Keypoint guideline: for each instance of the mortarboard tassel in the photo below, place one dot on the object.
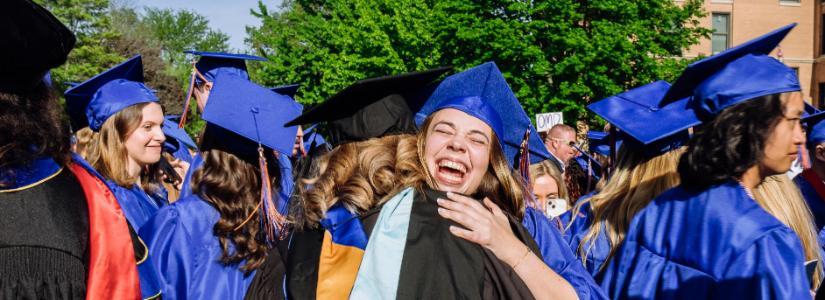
(188, 96)
(272, 222)
(524, 169)
(804, 159)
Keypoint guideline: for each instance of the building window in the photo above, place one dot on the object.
(822, 37)
(821, 95)
(721, 32)
(790, 2)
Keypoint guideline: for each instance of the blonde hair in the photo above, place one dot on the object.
(545, 168)
(109, 156)
(85, 141)
(635, 182)
(780, 197)
(363, 175)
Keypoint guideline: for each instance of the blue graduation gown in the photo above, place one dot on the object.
(815, 202)
(137, 205)
(558, 256)
(287, 184)
(712, 244)
(187, 253)
(599, 248)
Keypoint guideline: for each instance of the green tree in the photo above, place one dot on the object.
(179, 30)
(557, 55)
(175, 31)
(90, 21)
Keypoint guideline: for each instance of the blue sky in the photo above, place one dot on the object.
(229, 16)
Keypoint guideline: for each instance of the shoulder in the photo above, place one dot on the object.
(191, 214)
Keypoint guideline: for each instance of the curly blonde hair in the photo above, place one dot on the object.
(364, 175)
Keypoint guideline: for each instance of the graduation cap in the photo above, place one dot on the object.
(816, 128)
(373, 107)
(483, 93)
(737, 74)
(209, 66)
(598, 142)
(176, 134)
(247, 120)
(313, 138)
(589, 163)
(634, 112)
(95, 100)
(34, 41)
(287, 90)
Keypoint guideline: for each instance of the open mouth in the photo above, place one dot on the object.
(450, 172)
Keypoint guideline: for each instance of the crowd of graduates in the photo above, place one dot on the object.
(423, 185)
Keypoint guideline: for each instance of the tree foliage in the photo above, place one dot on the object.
(557, 55)
(108, 33)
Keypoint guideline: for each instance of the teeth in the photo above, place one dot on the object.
(451, 177)
(452, 165)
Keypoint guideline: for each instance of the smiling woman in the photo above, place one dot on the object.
(127, 119)
(128, 142)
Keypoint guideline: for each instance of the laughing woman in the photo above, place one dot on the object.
(127, 118)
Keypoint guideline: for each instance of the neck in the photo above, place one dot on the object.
(133, 168)
(751, 178)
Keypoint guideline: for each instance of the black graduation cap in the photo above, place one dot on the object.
(32, 41)
(374, 107)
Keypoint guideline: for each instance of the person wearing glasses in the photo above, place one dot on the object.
(560, 140)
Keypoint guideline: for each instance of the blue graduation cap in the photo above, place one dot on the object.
(210, 65)
(816, 128)
(598, 142)
(313, 138)
(737, 74)
(241, 114)
(171, 130)
(483, 93)
(287, 90)
(643, 123)
(95, 100)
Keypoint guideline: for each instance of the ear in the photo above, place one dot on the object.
(208, 85)
(819, 152)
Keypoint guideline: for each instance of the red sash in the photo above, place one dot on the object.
(810, 176)
(112, 267)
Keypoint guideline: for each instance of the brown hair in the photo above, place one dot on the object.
(362, 175)
(780, 197)
(109, 156)
(86, 141)
(32, 127)
(635, 182)
(233, 186)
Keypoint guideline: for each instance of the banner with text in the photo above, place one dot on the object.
(546, 121)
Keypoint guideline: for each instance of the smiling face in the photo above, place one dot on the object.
(783, 143)
(144, 144)
(457, 150)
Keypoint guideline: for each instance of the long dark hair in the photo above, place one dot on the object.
(233, 186)
(731, 143)
(32, 126)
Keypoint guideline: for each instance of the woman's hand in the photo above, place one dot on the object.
(485, 225)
